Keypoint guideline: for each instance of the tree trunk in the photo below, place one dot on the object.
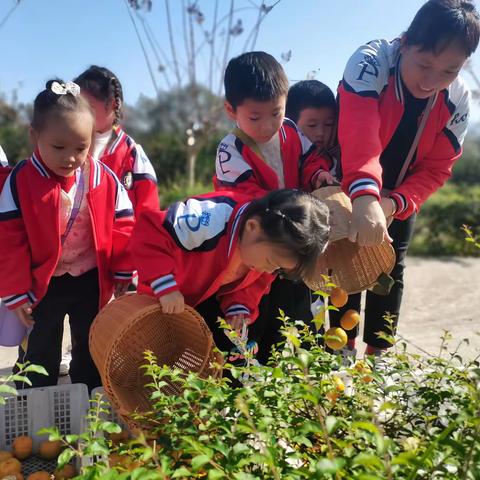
(191, 160)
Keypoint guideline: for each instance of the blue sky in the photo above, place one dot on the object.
(48, 38)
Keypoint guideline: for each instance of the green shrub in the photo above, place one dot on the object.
(413, 418)
(438, 228)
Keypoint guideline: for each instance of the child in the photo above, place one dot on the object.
(220, 246)
(312, 106)
(67, 221)
(265, 152)
(403, 117)
(112, 145)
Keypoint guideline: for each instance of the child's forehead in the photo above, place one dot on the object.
(253, 104)
(313, 111)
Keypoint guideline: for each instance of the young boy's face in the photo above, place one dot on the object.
(318, 125)
(425, 73)
(259, 120)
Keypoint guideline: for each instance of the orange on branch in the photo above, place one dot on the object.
(336, 338)
(350, 319)
(338, 297)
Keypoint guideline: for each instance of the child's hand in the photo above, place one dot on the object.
(24, 314)
(369, 226)
(237, 322)
(120, 289)
(173, 302)
(388, 206)
(321, 177)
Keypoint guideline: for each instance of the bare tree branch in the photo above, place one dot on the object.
(172, 45)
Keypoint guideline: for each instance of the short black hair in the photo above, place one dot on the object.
(254, 75)
(48, 102)
(104, 85)
(296, 221)
(439, 22)
(308, 94)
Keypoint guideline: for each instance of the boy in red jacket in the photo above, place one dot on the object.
(403, 117)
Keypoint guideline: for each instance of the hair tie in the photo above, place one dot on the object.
(64, 88)
(276, 212)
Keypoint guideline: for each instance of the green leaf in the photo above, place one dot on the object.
(8, 389)
(35, 369)
(325, 465)
(65, 456)
(332, 424)
(110, 427)
(214, 474)
(369, 427)
(199, 461)
(182, 472)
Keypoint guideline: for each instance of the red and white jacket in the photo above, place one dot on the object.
(371, 106)
(188, 248)
(131, 165)
(238, 167)
(30, 227)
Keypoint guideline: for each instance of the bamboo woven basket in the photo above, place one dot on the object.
(134, 323)
(350, 266)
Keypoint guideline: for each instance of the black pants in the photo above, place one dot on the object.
(293, 298)
(79, 298)
(376, 306)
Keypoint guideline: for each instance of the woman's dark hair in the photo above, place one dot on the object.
(308, 94)
(296, 221)
(439, 22)
(254, 75)
(48, 102)
(103, 85)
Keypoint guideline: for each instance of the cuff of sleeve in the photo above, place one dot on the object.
(163, 285)
(236, 309)
(363, 186)
(124, 276)
(14, 301)
(400, 202)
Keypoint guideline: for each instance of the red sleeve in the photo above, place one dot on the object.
(145, 195)
(358, 134)
(313, 164)
(15, 258)
(426, 177)
(121, 262)
(153, 252)
(246, 300)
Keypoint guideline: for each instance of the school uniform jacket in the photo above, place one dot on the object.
(237, 166)
(188, 247)
(131, 165)
(371, 100)
(31, 237)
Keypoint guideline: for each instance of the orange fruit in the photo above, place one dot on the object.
(68, 471)
(336, 338)
(350, 320)
(338, 297)
(22, 447)
(10, 466)
(40, 475)
(338, 383)
(4, 455)
(332, 396)
(49, 450)
(367, 378)
(362, 367)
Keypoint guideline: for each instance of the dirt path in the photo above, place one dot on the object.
(439, 295)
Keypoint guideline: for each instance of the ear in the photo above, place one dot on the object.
(33, 136)
(253, 229)
(230, 110)
(403, 43)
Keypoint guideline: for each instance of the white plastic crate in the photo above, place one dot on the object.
(61, 406)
